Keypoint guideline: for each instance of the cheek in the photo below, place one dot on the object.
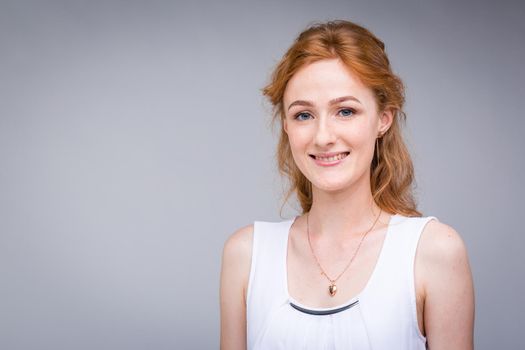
(366, 150)
(362, 147)
(357, 138)
(297, 140)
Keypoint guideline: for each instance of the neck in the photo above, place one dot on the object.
(340, 215)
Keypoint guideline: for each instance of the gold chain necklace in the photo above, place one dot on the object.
(332, 288)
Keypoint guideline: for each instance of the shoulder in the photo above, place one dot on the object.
(236, 258)
(448, 289)
(239, 244)
(441, 243)
(441, 256)
(236, 261)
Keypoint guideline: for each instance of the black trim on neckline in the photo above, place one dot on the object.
(323, 312)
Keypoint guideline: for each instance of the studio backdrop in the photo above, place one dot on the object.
(134, 139)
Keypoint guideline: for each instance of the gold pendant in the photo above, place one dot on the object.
(332, 289)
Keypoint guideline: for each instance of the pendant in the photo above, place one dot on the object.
(332, 289)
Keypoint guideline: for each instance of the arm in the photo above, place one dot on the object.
(448, 289)
(235, 271)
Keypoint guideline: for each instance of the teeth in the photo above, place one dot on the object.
(331, 159)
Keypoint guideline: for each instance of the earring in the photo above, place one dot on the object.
(377, 149)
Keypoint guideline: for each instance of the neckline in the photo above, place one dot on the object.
(354, 298)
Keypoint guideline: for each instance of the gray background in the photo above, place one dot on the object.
(134, 140)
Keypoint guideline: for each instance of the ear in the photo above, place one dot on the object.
(386, 118)
(285, 125)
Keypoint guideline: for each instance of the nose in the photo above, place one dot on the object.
(325, 133)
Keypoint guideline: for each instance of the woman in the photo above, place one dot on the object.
(360, 268)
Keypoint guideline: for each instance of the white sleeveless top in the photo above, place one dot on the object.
(382, 316)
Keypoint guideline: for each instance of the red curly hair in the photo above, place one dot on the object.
(392, 173)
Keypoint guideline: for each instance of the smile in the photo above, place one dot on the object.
(331, 160)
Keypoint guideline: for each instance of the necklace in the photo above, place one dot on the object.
(332, 288)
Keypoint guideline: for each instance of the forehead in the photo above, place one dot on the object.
(325, 80)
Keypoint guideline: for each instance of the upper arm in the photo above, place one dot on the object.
(448, 288)
(235, 271)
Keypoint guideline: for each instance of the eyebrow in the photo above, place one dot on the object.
(331, 102)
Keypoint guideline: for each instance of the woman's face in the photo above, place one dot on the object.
(332, 123)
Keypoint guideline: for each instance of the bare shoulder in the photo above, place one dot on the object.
(238, 245)
(440, 251)
(237, 255)
(236, 263)
(441, 243)
(448, 290)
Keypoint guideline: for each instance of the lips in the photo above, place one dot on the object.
(330, 157)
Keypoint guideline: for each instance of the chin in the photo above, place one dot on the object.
(332, 186)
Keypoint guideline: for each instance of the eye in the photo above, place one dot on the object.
(299, 116)
(346, 112)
